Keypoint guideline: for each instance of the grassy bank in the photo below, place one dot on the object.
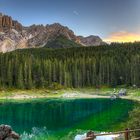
(67, 93)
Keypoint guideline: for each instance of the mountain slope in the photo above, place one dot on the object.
(91, 40)
(61, 42)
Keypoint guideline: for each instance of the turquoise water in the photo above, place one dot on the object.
(58, 119)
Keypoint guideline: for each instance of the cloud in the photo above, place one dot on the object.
(76, 13)
(122, 36)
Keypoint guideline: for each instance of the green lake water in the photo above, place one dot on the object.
(62, 119)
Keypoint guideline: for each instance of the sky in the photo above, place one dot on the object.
(112, 20)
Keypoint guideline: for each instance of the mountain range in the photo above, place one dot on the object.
(13, 35)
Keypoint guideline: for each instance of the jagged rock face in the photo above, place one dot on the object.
(10, 40)
(14, 36)
(16, 25)
(6, 24)
(91, 40)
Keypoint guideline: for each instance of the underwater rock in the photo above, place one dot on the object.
(6, 133)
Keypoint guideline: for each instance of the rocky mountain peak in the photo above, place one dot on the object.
(41, 35)
(14, 36)
(7, 23)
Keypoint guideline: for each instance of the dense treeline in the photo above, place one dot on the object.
(110, 65)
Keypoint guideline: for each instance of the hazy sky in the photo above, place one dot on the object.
(110, 19)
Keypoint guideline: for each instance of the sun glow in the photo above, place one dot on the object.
(122, 36)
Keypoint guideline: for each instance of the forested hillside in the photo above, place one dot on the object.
(109, 65)
(62, 42)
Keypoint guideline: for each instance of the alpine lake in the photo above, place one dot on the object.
(62, 119)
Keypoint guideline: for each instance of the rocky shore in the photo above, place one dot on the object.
(6, 133)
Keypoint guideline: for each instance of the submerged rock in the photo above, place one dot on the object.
(6, 133)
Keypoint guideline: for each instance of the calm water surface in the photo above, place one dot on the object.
(58, 119)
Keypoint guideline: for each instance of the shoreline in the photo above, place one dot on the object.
(19, 95)
(30, 98)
